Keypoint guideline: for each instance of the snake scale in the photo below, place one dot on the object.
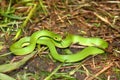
(52, 40)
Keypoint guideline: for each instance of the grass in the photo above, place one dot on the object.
(21, 29)
(95, 18)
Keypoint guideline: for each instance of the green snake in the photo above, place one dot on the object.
(53, 40)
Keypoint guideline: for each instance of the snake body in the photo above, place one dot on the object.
(51, 40)
(17, 48)
(80, 55)
(72, 39)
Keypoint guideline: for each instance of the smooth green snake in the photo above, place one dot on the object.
(53, 40)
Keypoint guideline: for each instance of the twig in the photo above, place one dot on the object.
(100, 72)
(78, 66)
(107, 22)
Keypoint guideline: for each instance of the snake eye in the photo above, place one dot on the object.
(56, 38)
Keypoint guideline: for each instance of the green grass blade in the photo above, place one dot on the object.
(48, 77)
(25, 22)
(12, 16)
(5, 77)
(15, 65)
(42, 6)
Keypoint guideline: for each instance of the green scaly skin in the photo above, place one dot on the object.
(51, 40)
(80, 55)
(17, 48)
(72, 39)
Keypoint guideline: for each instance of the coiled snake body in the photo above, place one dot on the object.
(53, 40)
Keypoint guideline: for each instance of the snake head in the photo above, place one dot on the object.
(57, 37)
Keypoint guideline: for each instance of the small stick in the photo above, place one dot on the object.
(107, 22)
(100, 72)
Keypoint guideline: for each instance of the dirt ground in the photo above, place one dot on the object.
(88, 18)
